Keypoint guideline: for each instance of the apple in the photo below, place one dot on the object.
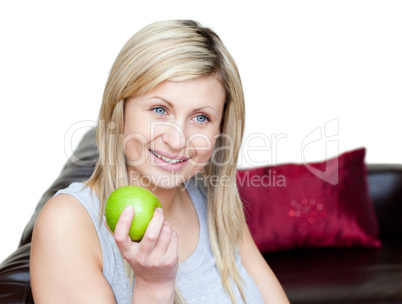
(144, 203)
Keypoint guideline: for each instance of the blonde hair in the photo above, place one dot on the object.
(176, 51)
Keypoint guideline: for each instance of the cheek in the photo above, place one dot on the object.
(136, 128)
(203, 144)
(134, 150)
(134, 140)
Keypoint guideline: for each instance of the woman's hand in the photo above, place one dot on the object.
(154, 259)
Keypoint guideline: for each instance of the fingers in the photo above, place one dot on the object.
(159, 245)
(165, 237)
(153, 231)
(121, 232)
(172, 248)
(162, 252)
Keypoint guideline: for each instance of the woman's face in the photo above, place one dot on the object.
(170, 132)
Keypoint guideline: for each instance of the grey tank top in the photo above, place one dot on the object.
(197, 279)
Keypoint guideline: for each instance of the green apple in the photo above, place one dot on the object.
(144, 203)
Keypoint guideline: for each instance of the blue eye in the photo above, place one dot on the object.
(202, 118)
(159, 110)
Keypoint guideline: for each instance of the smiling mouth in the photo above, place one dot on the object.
(167, 159)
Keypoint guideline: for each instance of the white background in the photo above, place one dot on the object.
(304, 64)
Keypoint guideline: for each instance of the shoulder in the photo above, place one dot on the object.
(64, 224)
(63, 221)
(66, 256)
(63, 212)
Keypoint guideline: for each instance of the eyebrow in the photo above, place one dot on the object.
(172, 106)
(168, 102)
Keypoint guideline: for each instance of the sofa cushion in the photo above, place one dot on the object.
(340, 275)
(323, 204)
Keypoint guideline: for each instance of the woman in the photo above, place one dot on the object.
(171, 121)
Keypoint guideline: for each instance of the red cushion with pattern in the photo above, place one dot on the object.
(319, 204)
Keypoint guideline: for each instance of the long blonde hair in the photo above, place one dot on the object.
(176, 51)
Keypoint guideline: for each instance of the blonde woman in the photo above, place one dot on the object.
(171, 121)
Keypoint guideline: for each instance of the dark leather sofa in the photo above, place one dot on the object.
(319, 275)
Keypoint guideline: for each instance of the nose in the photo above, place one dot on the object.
(173, 135)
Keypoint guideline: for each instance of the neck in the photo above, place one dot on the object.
(169, 198)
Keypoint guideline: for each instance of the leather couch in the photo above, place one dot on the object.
(319, 275)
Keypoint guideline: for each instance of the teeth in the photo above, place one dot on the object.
(166, 159)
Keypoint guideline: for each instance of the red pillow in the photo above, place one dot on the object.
(323, 204)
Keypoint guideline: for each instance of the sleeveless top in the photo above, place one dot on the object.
(198, 279)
